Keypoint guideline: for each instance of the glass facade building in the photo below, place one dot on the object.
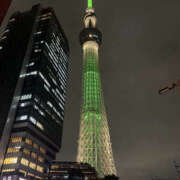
(34, 55)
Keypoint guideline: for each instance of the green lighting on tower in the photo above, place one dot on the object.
(89, 3)
(94, 145)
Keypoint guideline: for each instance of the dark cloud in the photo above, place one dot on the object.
(140, 53)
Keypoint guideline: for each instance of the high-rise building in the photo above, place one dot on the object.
(71, 170)
(94, 139)
(4, 5)
(34, 56)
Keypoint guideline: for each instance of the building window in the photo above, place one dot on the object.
(12, 20)
(24, 161)
(54, 167)
(32, 120)
(8, 170)
(30, 174)
(21, 178)
(43, 150)
(28, 141)
(30, 64)
(35, 146)
(16, 139)
(41, 159)
(39, 168)
(26, 96)
(32, 165)
(25, 104)
(37, 50)
(21, 118)
(40, 125)
(12, 150)
(27, 152)
(22, 171)
(34, 155)
(10, 160)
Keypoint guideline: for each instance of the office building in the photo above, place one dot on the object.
(34, 55)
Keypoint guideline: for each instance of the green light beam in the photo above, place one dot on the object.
(89, 3)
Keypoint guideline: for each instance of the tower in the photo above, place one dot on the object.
(94, 145)
(34, 57)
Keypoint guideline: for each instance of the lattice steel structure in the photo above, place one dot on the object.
(94, 139)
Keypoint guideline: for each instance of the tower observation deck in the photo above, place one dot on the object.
(94, 145)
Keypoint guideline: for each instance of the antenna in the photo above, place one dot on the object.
(90, 3)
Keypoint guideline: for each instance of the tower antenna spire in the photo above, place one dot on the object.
(90, 4)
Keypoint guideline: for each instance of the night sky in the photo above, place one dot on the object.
(140, 54)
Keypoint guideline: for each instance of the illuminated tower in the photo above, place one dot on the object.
(94, 140)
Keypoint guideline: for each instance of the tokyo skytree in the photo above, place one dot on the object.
(94, 145)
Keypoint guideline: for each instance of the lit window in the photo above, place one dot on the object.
(30, 174)
(22, 171)
(28, 141)
(30, 64)
(41, 159)
(54, 167)
(25, 104)
(38, 109)
(39, 32)
(34, 155)
(40, 125)
(12, 150)
(8, 170)
(37, 50)
(49, 103)
(21, 178)
(21, 118)
(11, 160)
(26, 96)
(26, 151)
(39, 168)
(1, 47)
(12, 20)
(32, 120)
(32, 165)
(38, 177)
(24, 161)
(45, 80)
(43, 150)
(29, 74)
(16, 139)
(47, 89)
(6, 31)
(4, 37)
(35, 146)
(42, 19)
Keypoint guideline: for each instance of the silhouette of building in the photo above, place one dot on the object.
(71, 170)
